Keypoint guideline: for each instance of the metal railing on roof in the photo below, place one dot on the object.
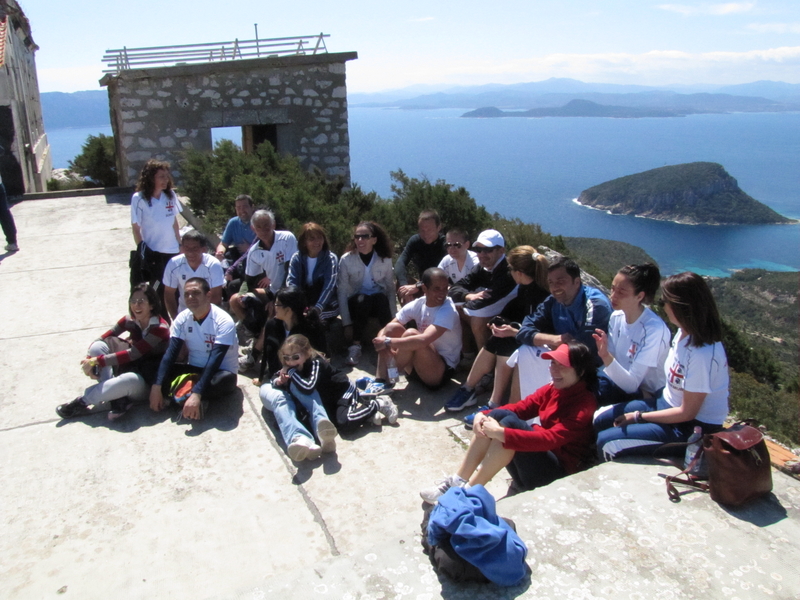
(162, 56)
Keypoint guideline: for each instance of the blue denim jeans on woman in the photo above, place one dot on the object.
(282, 404)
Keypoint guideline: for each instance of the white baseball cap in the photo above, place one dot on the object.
(490, 238)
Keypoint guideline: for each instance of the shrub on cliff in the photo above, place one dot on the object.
(278, 182)
(97, 160)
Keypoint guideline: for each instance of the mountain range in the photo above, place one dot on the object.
(90, 108)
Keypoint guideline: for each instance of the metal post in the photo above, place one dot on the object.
(258, 51)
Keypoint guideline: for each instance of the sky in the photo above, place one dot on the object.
(464, 42)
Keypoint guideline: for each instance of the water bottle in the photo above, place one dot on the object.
(391, 370)
(695, 443)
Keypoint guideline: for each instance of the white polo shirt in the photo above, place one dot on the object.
(156, 221)
(178, 272)
(274, 262)
(216, 328)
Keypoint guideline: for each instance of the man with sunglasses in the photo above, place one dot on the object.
(486, 290)
(424, 250)
(208, 334)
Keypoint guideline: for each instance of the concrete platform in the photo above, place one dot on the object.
(146, 508)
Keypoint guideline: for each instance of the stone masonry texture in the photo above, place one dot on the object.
(162, 112)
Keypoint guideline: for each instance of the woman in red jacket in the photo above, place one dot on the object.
(558, 444)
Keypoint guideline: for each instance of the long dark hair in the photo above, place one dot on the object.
(147, 178)
(693, 305)
(150, 294)
(644, 278)
(582, 360)
(383, 247)
(294, 299)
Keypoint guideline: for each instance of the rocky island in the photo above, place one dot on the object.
(699, 193)
(577, 108)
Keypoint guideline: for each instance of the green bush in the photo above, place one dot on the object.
(97, 161)
(777, 410)
(278, 182)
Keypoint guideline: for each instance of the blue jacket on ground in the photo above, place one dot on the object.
(478, 535)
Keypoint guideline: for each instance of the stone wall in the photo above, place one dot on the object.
(161, 112)
(25, 160)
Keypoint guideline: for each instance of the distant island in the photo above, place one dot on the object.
(699, 193)
(577, 108)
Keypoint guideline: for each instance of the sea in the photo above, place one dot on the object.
(535, 168)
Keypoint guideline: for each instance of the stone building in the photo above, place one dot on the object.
(25, 160)
(298, 103)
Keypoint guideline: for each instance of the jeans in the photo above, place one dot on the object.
(529, 470)
(609, 392)
(110, 387)
(6, 218)
(281, 404)
(637, 438)
(311, 402)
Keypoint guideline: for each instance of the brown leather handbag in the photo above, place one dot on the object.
(738, 467)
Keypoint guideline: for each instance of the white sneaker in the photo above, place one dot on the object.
(12, 248)
(300, 448)
(326, 433)
(377, 418)
(388, 409)
(353, 354)
(431, 495)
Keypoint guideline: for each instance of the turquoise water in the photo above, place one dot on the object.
(534, 168)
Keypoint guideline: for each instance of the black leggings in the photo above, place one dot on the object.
(362, 307)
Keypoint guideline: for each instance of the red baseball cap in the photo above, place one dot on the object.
(560, 355)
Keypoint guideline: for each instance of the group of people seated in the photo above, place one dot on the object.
(572, 376)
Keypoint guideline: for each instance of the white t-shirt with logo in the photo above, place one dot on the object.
(275, 261)
(447, 345)
(216, 328)
(157, 220)
(178, 272)
(449, 265)
(639, 350)
(703, 370)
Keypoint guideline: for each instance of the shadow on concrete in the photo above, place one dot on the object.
(137, 417)
(223, 415)
(6, 254)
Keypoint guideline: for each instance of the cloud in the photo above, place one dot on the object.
(728, 8)
(774, 27)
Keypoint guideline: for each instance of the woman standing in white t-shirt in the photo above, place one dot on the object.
(634, 351)
(696, 369)
(154, 221)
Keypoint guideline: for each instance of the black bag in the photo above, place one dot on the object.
(738, 467)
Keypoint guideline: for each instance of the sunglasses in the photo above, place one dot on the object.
(453, 245)
(480, 250)
(291, 357)
(362, 236)
(139, 301)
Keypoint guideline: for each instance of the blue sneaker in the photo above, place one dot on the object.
(363, 383)
(469, 419)
(461, 400)
(377, 388)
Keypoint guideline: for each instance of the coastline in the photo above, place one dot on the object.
(679, 222)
